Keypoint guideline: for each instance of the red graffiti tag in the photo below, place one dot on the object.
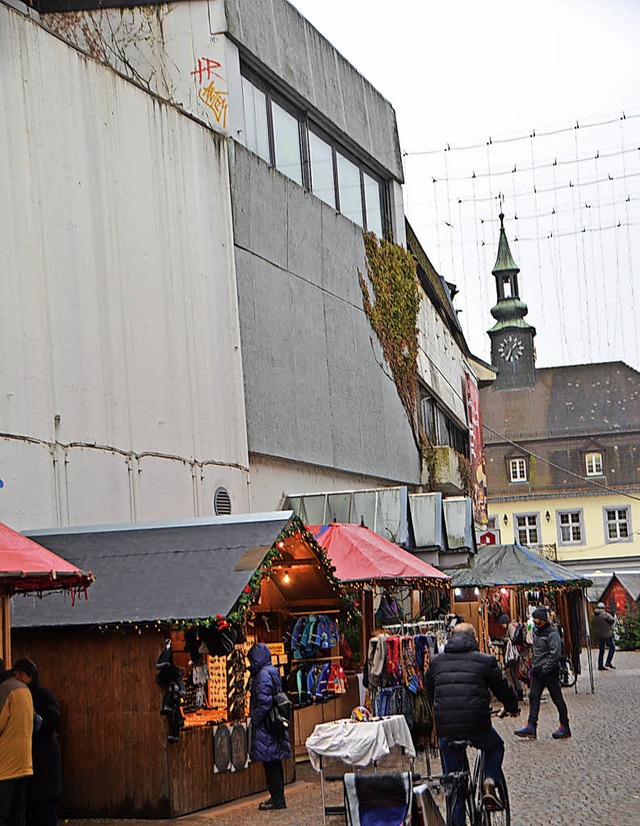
(205, 69)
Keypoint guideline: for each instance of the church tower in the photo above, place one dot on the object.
(512, 350)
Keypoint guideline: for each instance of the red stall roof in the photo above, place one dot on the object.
(27, 566)
(360, 554)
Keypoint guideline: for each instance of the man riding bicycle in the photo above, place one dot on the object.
(458, 685)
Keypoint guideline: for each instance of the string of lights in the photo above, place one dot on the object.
(542, 133)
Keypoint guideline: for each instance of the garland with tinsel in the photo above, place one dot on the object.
(294, 530)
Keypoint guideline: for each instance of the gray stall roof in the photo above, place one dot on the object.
(155, 571)
(512, 565)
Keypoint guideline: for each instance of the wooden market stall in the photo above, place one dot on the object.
(199, 593)
(28, 568)
(514, 579)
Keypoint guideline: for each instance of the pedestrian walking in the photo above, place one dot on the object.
(545, 669)
(265, 746)
(16, 727)
(44, 789)
(602, 625)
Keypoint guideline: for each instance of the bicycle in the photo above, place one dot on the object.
(568, 675)
(467, 785)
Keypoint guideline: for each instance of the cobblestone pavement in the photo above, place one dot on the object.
(593, 779)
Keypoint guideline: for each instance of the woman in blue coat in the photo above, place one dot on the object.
(265, 747)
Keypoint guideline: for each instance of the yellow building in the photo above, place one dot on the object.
(562, 445)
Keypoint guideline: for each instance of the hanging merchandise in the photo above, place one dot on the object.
(316, 675)
(389, 610)
(169, 676)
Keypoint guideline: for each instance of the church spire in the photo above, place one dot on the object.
(504, 260)
(512, 350)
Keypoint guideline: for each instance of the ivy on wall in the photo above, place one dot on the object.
(393, 314)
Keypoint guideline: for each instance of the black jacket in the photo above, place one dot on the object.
(46, 783)
(458, 683)
(547, 649)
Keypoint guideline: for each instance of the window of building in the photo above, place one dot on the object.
(518, 470)
(349, 190)
(528, 531)
(440, 428)
(594, 464)
(280, 134)
(373, 204)
(286, 143)
(570, 527)
(322, 173)
(256, 136)
(492, 523)
(617, 524)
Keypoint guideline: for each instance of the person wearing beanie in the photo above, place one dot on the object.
(602, 625)
(545, 668)
(44, 789)
(16, 726)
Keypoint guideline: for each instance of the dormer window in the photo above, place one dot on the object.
(518, 470)
(593, 463)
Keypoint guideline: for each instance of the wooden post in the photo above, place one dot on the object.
(5, 628)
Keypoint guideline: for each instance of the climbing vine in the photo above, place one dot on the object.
(393, 314)
(468, 476)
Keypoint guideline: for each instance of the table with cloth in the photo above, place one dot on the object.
(359, 744)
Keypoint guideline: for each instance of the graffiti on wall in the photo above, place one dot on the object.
(210, 85)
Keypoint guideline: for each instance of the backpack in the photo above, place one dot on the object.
(277, 720)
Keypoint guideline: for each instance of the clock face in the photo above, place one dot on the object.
(510, 348)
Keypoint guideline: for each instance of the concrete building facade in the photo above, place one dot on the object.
(185, 330)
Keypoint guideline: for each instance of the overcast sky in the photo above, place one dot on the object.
(461, 71)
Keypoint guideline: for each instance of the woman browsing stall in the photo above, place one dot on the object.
(266, 747)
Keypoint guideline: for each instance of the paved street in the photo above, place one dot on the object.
(591, 780)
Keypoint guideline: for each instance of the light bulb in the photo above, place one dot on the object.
(286, 579)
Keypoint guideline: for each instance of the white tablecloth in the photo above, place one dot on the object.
(359, 744)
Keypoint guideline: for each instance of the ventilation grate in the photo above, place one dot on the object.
(222, 502)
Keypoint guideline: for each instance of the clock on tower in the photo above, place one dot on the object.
(510, 348)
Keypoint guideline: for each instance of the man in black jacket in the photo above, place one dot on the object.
(545, 673)
(45, 787)
(458, 684)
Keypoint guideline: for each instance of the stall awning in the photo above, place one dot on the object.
(157, 571)
(515, 564)
(26, 566)
(359, 554)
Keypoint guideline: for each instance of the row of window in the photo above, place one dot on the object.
(285, 137)
(570, 526)
(519, 468)
(439, 427)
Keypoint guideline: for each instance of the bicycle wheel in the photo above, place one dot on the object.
(501, 816)
(474, 799)
(568, 676)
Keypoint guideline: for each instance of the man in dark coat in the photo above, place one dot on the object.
(458, 683)
(545, 673)
(44, 789)
(602, 624)
(265, 747)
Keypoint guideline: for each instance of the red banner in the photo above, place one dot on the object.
(476, 444)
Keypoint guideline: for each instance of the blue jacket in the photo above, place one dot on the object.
(266, 684)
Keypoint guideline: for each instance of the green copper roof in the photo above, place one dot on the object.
(504, 261)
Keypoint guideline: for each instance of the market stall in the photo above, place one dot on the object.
(28, 568)
(512, 580)
(152, 671)
(404, 601)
